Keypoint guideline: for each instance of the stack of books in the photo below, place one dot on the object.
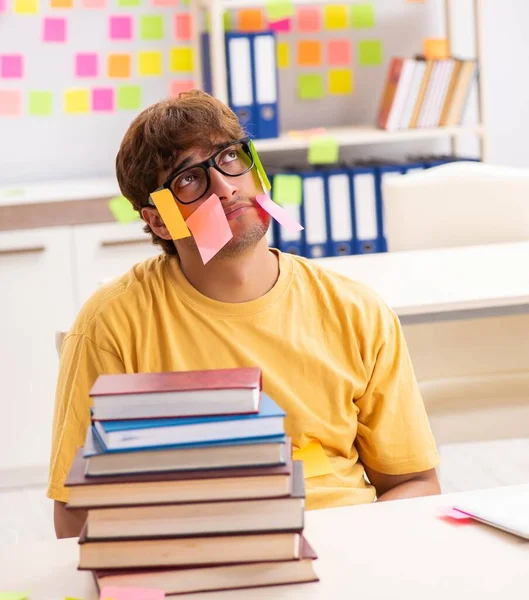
(189, 485)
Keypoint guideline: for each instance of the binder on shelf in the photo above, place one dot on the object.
(339, 195)
(315, 209)
(292, 242)
(367, 219)
(265, 79)
(241, 84)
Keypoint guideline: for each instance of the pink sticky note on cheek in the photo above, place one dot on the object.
(210, 228)
(279, 213)
(130, 593)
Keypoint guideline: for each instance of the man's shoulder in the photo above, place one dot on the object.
(117, 295)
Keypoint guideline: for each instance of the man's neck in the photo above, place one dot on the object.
(238, 279)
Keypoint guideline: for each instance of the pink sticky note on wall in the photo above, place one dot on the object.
(120, 28)
(103, 99)
(86, 65)
(282, 26)
(130, 593)
(11, 66)
(10, 103)
(182, 26)
(309, 19)
(339, 52)
(94, 3)
(54, 30)
(181, 85)
(3, 5)
(279, 213)
(210, 228)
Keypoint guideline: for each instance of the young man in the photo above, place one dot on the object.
(332, 354)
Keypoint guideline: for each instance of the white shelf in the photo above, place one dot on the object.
(233, 4)
(360, 136)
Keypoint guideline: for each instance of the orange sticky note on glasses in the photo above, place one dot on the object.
(210, 227)
(315, 461)
(170, 213)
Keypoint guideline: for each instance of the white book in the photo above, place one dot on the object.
(397, 108)
(413, 94)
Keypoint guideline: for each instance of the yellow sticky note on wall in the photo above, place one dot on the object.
(76, 101)
(150, 63)
(315, 461)
(283, 55)
(26, 7)
(170, 213)
(182, 59)
(335, 16)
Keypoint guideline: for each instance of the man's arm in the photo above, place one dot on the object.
(397, 487)
(68, 522)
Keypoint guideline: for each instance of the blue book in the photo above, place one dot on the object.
(150, 433)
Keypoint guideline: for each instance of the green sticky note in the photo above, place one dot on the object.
(129, 97)
(40, 104)
(260, 170)
(129, 2)
(370, 53)
(151, 27)
(14, 596)
(277, 10)
(310, 87)
(123, 211)
(363, 16)
(287, 189)
(323, 150)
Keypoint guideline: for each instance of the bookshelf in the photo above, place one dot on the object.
(345, 136)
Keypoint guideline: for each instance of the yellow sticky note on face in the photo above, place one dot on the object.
(315, 461)
(150, 63)
(170, 213)
(76, 101)
(283, 55)
(335, 16)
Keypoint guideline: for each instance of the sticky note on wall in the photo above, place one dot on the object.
(76, 101)
(102, 99)
(181, 85)
(150, 63)
(54, 30)
(26, 7)
(362, 16)
(308, 19)
(119, 65)
(278, 10)
(10, 103)
(40, 103)
(120, 28)
(436, 48)
(86, 64)
(335, 16)
(283, 55)
(182, 60)
(310, 86)
(128, 97)
(338, 52)
(182, 26)
(340, 81)
(11, 66)
(151, 27)
(309, 53)
(251, 19)
(370, 53)
(3, 6)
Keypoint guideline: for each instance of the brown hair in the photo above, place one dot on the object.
(159, 133)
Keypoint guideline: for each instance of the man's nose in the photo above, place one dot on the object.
(225, 187)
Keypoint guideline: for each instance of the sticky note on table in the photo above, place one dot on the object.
(102, 99)
(130, 593)
(11, 66)
(251, 19)
(363, 16)
(40, 103)
(151, 27)
(308, 19)
(335, 16)
(120, 28)
(436, 48)
(128, 97)
(182, 26)
(150, 63)
(338, 52)
(119, 65)
(278, 10)
(323, 150)
(170, 213)
(26, 7)
(260, 169)
(310, 86)
(309, 53)
(122, 210)
(182, 59)
(54, 30)
(76, 101)
(370, 53)
(283, 55)
(287, 189)
(10, 103)
(210, 228)
(86, 64)
(340, 81)
(315, 461)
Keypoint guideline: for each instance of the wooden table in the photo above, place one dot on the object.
(445, 283)
(394, 550)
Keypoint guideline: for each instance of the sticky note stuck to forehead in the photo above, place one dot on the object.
(210, 228)
(315, 461)
(287, 189)
(260, 170)
(170, 213)
(323, 149)
(131, 593)
(281, 215)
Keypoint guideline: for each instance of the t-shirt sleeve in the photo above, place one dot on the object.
(394, 435)
(82, 361)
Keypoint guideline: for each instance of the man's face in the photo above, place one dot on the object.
(247, 220)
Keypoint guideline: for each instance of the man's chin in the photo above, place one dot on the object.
(243, 242)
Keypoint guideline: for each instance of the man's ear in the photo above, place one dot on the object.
(152, 217)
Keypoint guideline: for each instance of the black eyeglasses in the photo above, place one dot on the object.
(190, 184)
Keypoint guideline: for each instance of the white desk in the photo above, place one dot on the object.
(394, 550)
(446, 283)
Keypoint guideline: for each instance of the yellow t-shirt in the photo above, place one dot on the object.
(331, 352)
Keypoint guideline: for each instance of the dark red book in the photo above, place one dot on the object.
(176, 394)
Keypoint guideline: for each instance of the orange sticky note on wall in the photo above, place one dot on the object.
(171, 215)
(309, 53)
(251, 19)
(436, 48)
(315, 461)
